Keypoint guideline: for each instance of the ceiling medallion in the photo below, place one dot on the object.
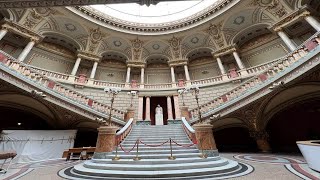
(117, 43)
(194, 40)
(156, 46)
(70, 27)
(239, 20)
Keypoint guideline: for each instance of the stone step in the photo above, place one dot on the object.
(172, 174)
(152, 141)
(155, 156)
(167, 145)
(164, 151)
(145, 148)
(156, 161)
(155, 167)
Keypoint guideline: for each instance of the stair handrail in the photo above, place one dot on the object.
(280, 60)
(83, 100)
(124, 131)
(189, 130)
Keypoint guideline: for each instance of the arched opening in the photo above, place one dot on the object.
(86, 138)
(234, 139)
(297, 122)
(17, 119)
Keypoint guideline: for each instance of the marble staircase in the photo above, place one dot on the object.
(154, 150)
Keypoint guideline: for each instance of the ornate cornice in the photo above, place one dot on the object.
(155, 28)
(21, 30)
(290, 19)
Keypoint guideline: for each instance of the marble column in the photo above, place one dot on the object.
(148, 109)
(238, 60)
(313, 22)
(222, 70)
(205, 139)
(26, 50)
(176, 107)
(3, 32)
(173, 78)
(140, 109)
(94, 69)
(105, 141)
(76, 66)
(186, 71)
(169, 106)
(142, 76)
(287, 40)
(128, 75)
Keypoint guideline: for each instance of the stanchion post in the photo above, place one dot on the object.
(137, 158)
(171, 157)
(116, 157)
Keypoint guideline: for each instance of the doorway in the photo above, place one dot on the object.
(162, 101)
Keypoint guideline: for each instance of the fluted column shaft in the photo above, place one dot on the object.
(222, 70)
(169, 106)
(186, 71)
(287, 40)
(313, 22)
(3, 32)
(128, 75)
(173, 78)
(76, 67)
(148, 109)
(238, 60)
(26, 50)
(142, 76)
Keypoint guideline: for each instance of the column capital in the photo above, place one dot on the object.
(224, 51)
(178, 62)
(89, 56)
(137, 64)
(16, 28)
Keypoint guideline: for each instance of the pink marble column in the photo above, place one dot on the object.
(176, 107)
(148, 109)
(169, 105)
(140, 109)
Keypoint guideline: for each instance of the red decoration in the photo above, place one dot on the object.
(82, 78)
(233, 73)
(263, 77)
(180, 83)
(134, 84)
(51, 84)
(90, 102)
(311, 45)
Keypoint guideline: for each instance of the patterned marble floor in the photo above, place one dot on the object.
(266, 166)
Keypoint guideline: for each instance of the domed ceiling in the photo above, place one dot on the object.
(162, 18)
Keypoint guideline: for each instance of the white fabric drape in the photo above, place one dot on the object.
(37, 145)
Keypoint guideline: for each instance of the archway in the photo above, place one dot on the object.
(234, 139)
(297, 122)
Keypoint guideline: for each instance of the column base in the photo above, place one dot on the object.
(101, 155)
(172, 121)
(204, 136)
(244, 72)
(211, 153)
(106, 139)
(263, 145)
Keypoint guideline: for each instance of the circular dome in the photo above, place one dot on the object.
(162, 18)
(162, 12)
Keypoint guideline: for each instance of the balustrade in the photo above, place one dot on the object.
(273, 68)
(158, 86)
(37, 76)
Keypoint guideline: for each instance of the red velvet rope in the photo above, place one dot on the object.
(189, 145)
(153, 145)
(130, 149)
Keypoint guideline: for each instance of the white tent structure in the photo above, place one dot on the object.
(37, 145)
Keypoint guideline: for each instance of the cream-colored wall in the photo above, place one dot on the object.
(203, 68)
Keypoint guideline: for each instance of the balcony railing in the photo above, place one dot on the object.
(250, 86)
(40, 79)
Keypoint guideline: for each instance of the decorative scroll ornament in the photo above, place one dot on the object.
(175, 44)
(272, 6)
(136, 49)
(215, 32)
(95, 38)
